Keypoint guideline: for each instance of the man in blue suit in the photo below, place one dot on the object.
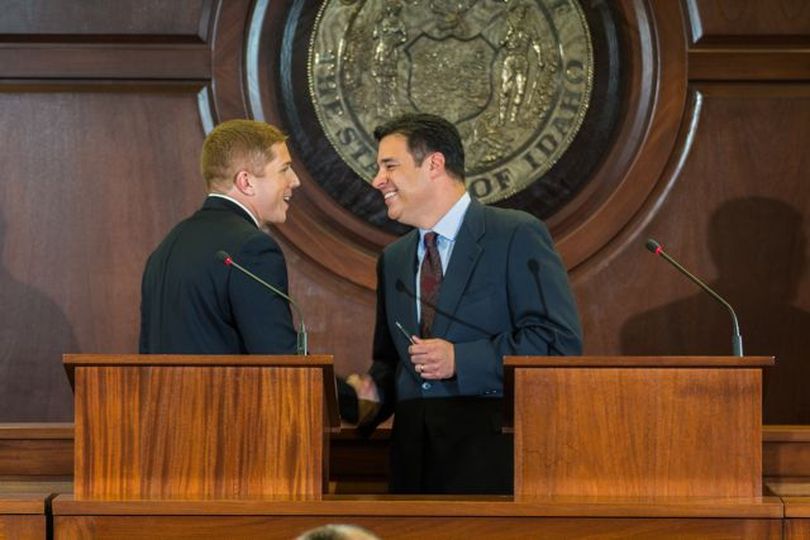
(191, 303)
(470, 284)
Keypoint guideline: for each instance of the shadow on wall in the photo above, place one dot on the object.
(34, 333)
(758, 245)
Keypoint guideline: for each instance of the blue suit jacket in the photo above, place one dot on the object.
(191, 303)
(505, 292)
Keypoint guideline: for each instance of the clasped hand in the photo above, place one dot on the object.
(368, 397)
(433, 359)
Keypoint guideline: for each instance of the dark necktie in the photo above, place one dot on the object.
(430, 279)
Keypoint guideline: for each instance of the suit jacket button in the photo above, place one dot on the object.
(425, 386)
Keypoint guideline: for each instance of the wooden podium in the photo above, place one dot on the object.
(201, 427)
(617, 447)
(636, 427)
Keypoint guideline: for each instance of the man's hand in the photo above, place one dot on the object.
(433, 358)
(368, 397)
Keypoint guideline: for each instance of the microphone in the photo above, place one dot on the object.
(301, 345)
(736, 338)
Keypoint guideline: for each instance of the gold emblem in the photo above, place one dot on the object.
(515, 76)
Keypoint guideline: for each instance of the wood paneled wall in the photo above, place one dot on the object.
(104, 106)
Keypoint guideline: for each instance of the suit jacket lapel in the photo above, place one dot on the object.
(462, 263)
(402, 269)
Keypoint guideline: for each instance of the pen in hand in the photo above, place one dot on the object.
(404, 332)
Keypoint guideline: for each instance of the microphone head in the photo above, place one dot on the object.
(224, 257)
(654, 246)
(534, 266)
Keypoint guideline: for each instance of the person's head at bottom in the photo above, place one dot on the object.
(338, 532)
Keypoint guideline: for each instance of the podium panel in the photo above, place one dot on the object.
(637, 427)
(199, 428)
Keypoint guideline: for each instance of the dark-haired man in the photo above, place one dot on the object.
(190, 302)
(470, 284)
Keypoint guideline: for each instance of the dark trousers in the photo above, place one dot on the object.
(451, 445)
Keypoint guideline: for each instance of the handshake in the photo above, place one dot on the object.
(358, 399)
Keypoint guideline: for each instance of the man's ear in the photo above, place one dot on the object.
(436, 163)
(243, 182)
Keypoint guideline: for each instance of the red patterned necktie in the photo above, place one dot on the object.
(430, 279)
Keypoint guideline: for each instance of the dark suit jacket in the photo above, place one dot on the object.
(505, 292)
(191, 303)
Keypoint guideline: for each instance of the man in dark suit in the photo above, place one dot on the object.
(479, 283)
(191, 302)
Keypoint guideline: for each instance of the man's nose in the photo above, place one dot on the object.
(378, 181)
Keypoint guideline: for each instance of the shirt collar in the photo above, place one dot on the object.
(237, 203)
(448, 226)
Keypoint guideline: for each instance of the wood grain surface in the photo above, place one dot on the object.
(430, 517)
(638, 432)
(198, 432)
(440, 505)
(780, 21)
(393, 528)
(786, 452)
(22, 515)
(797, 529)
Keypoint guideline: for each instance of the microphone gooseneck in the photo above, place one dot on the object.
(736, 338)
(302, 347)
